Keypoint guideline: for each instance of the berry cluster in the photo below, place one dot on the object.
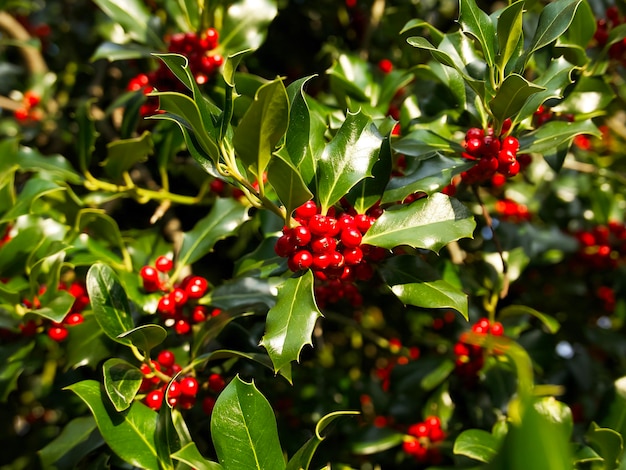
(603, 246)
(331, 247)
(470, 357)
(204, 62)
(402, 356)
(178, 306)
(422, 440)
(29, 111)
(512, 211)
(181, 392)
(493, 155)
(604, 26)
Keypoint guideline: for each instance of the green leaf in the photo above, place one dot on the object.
(477, 24)
(243, 293)
(551, 323)
(245, 24)
(511, 96)
(112, 52)
(87, 345)
(583, 26)
(416, 283)
(302, 458)
(14, 356)
(146, 337)
(608, 443)
(509, 32)
(129, 434)
(121, 382)
(591, 95)
(554, 20)
(347, 158)
(553, 134)
(614, 412)
(109, 302)
(421, 24)
(78, 438)
(421, 142)
(438, 375)
(288, 184)
(290, 322)
(166, 439)
(476, 444)
(190, 455)
(34, 189)
(134, 17)
(123, 154)
(55, 167)
(429, 223)
(376, 440)
(211, 328)
(222, 221)
(243, 429)
(262, 127)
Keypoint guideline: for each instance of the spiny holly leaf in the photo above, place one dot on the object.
(414, 282)
(124, 153)
(121, 382)
(290, 322)
(262, 127)
(553, 134)
(511, 96)
(302, 458)
(477, 23)
(130, 434)
(109, 302)
(429, 223)
(608, 443)
(243, 429)
(225, 217)
(347, 158)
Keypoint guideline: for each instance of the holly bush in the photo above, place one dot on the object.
(252, 234)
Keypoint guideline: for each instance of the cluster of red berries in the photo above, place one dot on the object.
(512, 211)
(545, 114)
(29, 111)
(470, 358)
(494, 155)
(181, 392)
(178, 306)
(603, 246)
(204, 62)
(422, 440)
(402, 356)
(604, 26)
(331, 247)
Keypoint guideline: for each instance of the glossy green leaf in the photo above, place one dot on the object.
(245, 24)
(54, 166)
(477, 24)
(211, 328)
(262, 127)
(302, 458)
(190, 455)
(184, 111)
(77, 439)
(123, 154)
(32, 190)
(476, 444)
(145, 337)
(121, 382)
(134, 16)
(554, 20)
(376, 440)
(608, 443)
(347, 158)
(511, 96)
(290, 322)
(87, 345)
(429, 223)
(166, 438)
(509, 32)
(613, 415)
(554, 134)
(288, 184)
(583, 26)
(590, 96)
(261, 263)
(351, 77)
(243, 293)
(438, 375)
(109, 302)
(422, 142)
(243, 429)
(222, 221)
(112, 52)
(57, 308)
(421, 24)
(416, 283)
(130, 434)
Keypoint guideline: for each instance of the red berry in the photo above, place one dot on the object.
(196, 287)
(73, 319)
(474, 145)
(351, 237)
(306, 210)
(21, 114)
(364, 222)
(285, 245)
(163, 264)
(216, 383)
(323, 244)
(301, 235)
(189, 386)
(182, 326)
(474, 132)
(58, 333)
(385, 66)
(150, 278)
(167, 306)
(166, 358)
(208, 403)
(179, 296)
(512, 169)
(511, 143)
(318, 225)
(418, 430)
(154, 399)
(199, 314)
(300, 260)
(174, 390)
(353, 255)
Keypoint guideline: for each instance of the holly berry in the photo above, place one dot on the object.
(163, 264)
(154, 399)
(166, 358)
(189, 386)
(58, 333)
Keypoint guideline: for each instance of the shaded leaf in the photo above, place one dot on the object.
(512, 95)
(121, 382)
(476, 444)
(123, 154)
